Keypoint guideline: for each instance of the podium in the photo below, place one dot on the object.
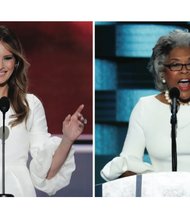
(157, 184)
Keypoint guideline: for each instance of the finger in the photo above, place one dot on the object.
(68, 118)
(81, 125)
(80, 117)
(79, 109)
(83, 120)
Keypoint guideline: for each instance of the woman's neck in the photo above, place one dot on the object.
(162, 98)
(3, 90)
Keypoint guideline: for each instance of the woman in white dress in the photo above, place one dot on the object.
(149, 124)
(52, 160)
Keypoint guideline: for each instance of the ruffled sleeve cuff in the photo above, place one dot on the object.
(116, 167)
(40, 165)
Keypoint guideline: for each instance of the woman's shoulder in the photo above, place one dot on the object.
(33, 100)
(148, 99)
(36, 109)
(146, 103)
(145, 106)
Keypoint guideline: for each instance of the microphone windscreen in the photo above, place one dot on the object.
(174, 93)
(4, 104)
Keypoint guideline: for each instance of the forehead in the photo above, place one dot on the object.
(3, 49)
(179, 53)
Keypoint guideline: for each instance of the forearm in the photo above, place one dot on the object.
(127, 173)
(73, 126)
(59, 157)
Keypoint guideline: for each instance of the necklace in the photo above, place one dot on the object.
(167, 97)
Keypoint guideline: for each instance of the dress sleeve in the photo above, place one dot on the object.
(131, 157)
(42, 149)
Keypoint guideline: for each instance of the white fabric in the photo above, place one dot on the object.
(32, 137)
(150, 128)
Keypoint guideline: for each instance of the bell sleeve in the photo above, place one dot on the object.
(131, 157)
(42, 149)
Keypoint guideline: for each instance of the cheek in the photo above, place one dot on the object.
(170, 78)
(11, 67)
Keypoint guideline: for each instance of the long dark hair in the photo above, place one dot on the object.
(18, 82)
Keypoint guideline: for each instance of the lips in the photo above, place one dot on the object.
(2, 73)
(184, 84)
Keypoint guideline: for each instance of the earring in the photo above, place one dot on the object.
(163, 81)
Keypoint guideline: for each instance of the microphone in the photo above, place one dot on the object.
(4, 107)
(4, 104)
(174, 94)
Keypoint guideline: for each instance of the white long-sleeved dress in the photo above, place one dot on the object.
(32, 137)
(150, 128)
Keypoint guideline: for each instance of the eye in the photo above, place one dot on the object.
(8, 57)
(175, 64)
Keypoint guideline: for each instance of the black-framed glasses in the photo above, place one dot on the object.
(177, 66)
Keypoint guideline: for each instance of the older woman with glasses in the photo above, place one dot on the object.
(149, 125)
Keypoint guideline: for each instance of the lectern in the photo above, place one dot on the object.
(157, 184)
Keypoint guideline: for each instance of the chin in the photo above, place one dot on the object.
(3, 82)
(184, 98)
(184, 93)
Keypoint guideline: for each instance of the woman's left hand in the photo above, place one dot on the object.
(73, 125)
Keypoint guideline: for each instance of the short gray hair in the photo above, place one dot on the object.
(176, 38)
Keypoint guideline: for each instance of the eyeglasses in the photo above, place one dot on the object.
(177, 66)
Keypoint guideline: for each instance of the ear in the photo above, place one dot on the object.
(16, 65)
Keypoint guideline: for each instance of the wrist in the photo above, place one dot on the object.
(67, 140)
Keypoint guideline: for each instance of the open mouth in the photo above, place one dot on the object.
(184, 84)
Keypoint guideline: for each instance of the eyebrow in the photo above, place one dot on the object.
(177, 59)
(8, 55)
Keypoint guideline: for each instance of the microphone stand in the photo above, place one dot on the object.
(3, 154)
(173, 122)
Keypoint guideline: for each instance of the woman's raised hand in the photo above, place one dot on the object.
(73, 125)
